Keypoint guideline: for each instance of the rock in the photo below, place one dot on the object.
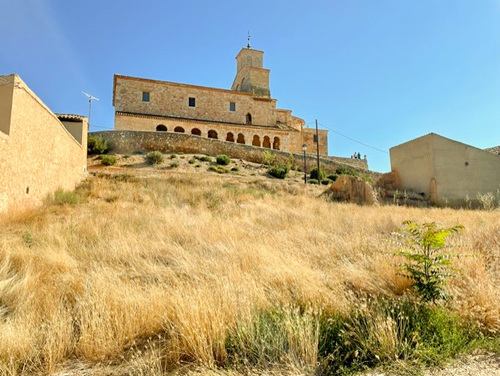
(352, 189)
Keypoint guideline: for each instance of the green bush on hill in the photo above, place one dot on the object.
(96, 145)
(108, 160)
(279, 170)
(154, 157)
(223, 159)
(315, 175)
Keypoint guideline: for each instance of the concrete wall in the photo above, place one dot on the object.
(413, 163)
(445, 170)
(462, 170)
(129, 141)
(39, 155)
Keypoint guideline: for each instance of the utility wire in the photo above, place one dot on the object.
(354, 140)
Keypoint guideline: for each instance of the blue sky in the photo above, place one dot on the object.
(381, 72)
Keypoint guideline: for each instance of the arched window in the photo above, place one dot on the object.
(161, 128)
(256, 141)
(249, 119)
(241, 138)
(267, 142)
(179, 129)
(212, 134)
(196, 132)
(276, 143)
(230, 137)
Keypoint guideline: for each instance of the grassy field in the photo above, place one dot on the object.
(216, 274)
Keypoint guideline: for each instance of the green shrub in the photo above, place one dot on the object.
(313, 181)
(198, 165)
(154, 157)
(235, 169)
(126, 156)
(314, 174)
(217, 168)
(96, 145)
(346, 170)
(279, 170)
(385, 330)
(62, 197)
(192, 161)
(174, 164)
(426, 264)
(108, 160)
(332, 177)
(173, 156)
(325, 181)
(203, 158)
(269, 157)
(223, 160)
(137, 152)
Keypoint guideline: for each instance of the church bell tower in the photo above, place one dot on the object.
(251, 77)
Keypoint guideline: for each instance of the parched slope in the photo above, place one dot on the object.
(155, 273)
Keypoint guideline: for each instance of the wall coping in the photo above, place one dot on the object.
(283, 154)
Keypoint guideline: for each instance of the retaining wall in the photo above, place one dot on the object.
(128, 141)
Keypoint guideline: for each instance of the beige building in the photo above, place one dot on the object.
(39, 151)
(246, 114)
(444, 170)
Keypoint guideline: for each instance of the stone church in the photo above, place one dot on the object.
(246, 114)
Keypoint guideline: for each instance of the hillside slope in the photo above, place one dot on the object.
(169, 271)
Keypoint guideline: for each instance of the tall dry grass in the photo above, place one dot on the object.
(148, 274)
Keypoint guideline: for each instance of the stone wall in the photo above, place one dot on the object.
(38, 155)
(172, 99)
(129, 141)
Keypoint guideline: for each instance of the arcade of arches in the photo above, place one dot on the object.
(230, 137)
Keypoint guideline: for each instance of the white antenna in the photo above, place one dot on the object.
(91, 98)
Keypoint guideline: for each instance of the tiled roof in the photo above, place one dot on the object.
(70, 117)
(494, 150)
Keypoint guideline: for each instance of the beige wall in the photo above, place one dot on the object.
(6, 83)
(39, 155)
(308, 139)
(288, 141)
(458, 169)
(170, 99)
(413, 162)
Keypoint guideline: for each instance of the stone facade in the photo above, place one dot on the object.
(130, 141)
(246, 114)
(38, 153)
(444, 170)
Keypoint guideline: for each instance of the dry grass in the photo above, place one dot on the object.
(148, 274)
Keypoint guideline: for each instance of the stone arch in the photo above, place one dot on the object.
(196, 132)
(230, 137)
(241, 138)
(276, 143)
(249, 118)
(256, 140)
(179, 129)
(161, 128)
(267, 142)
(212, 134)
